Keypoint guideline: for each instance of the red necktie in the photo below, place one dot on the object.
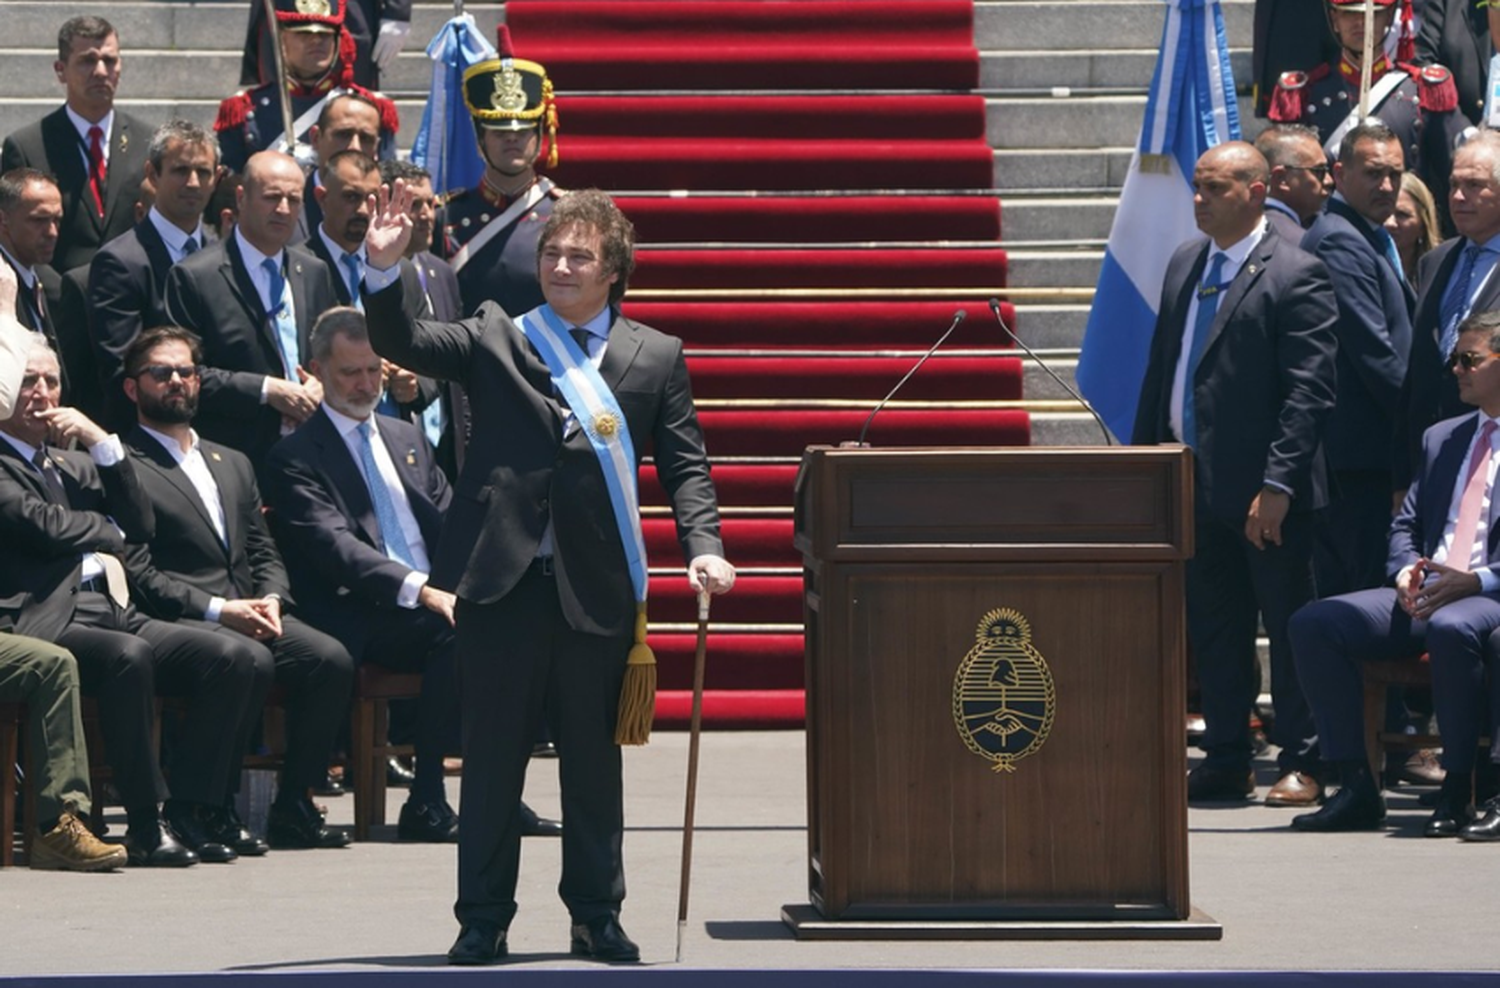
(96, 167)
(1468, 507)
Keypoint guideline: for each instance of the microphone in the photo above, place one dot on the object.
(958, 317)
(995, 308)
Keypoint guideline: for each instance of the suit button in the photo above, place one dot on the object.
(542, 503)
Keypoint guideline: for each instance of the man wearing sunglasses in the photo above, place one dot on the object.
(1444, 563)
(1301, 178)
(212, 565)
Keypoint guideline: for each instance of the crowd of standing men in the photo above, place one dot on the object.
(1336, 371)
(254, 441)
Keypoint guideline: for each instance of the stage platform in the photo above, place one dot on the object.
(1337, 909)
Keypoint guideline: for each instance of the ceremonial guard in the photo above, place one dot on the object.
(317, 59)
(489, 233)
(1418, 104)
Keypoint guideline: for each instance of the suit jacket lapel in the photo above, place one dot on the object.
(65, 153)
(1445, 478)
(157, 254)
(1430, 313)
(1248, 275)
(152, 450)
(121, 160)
(296, 276)
(620, 352)
(27, 472)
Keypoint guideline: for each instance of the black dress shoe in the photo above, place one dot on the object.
(301, 825)
(225, 826)
(1351, 808)
(1210, 784)
(155, 847)
(538, 826)
(1452, 810)
(478, 943)
(189, 821)
(397, 775)
(435, 823)
(1486, 827)
(604, 940)
(332, 787)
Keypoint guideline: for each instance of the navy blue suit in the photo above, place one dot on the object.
(1263, 390)
(1330, 638)
(1374, 340)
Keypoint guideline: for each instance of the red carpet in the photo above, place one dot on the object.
(662, 219)
(885, 44)
(755, 599)
(742, 485)
(986, 378)
(734, 661)
(977, 268)
(904, 325)
(750, 542)
(890, 119)
(789, 432)
(746, 710)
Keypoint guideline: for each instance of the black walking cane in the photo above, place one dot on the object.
(692, 770)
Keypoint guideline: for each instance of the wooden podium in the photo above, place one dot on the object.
(995, 692)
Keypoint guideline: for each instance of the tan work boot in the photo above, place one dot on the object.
(70, 846)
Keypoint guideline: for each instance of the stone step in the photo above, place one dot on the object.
(1052, 327)
(1065, 429)
(203, 26)
(1054, 268)
(1037, 384)
(1056, 218)
(1059, 121)
(1096, 69)
(1024, 169)
(1074, 25)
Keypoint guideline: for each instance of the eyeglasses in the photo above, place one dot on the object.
(1469, 360)
(162, 373)
(30, 381)
(1319, 170)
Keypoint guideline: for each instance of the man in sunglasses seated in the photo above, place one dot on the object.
(212, 565)
(1444, 563)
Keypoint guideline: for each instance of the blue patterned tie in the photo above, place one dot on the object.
(189, 247)
(380, 496)
(1456, 299)
(356, 274)
(1208, 306)
(281, 317)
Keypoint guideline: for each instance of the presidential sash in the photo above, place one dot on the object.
(601, 419)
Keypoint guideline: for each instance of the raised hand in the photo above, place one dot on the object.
(390, 226)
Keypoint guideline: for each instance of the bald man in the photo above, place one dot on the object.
(1242, 371)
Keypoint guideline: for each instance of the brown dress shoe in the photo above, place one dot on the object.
(1422, 768)
(1295, 789)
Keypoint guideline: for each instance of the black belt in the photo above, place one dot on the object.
(97, 584)
(542, 566)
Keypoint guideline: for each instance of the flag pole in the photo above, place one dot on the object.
(692, 770)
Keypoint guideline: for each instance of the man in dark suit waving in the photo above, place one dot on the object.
(212, 565)
(252, 300)
(96, 152)
(539, 546)
(1242, 370)
(1374, 340)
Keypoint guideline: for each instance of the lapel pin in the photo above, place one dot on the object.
(297, 266)
(216, 456)
(411, 457)
(1251, 269)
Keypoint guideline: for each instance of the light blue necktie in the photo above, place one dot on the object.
(380, 496)
(355, 275)
(1456, 299)
(1208, 306)
(281, 316)
(1388, 245)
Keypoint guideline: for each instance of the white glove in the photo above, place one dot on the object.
(389, 42)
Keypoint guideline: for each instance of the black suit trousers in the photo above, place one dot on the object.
(318, 676)
(519, 664)
(1230, 584)
(1350, 540)
(125, 659)
(1332, 638)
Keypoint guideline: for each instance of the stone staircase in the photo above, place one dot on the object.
(1065, 82)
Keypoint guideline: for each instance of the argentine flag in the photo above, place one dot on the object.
(445, 143)
(1190, 109)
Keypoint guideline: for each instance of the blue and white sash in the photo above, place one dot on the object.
(601, 419)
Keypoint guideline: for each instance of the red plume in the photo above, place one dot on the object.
(507, 50)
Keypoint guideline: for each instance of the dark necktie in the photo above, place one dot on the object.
(50, 476)
(97, 176)
(581, 337)
(189, 247)
(1209, 293)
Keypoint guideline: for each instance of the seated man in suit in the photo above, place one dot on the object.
(252, 299)
(127, 281)
(64, 520)
(1444, 561)
(45, 678)
(212, 565)
(359, 504)
(94, 150)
